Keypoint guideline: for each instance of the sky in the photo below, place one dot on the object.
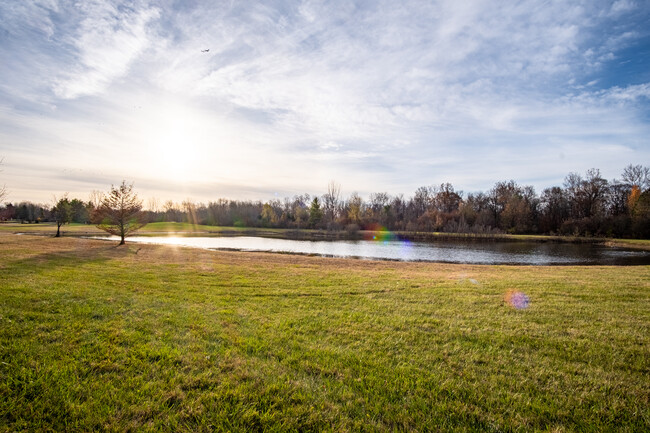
(379, 96)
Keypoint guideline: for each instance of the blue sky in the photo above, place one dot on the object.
(379, 96)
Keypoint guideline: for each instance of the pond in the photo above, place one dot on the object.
(515, 253)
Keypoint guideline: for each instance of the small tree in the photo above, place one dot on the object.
(62, 213)
(119, 212)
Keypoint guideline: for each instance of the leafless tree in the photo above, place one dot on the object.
(153, 204)
(422, 201)
(446, 199)
(189, 207)
(587, 195)
(172, 211)
(95, 198)
(120, 212)
(3, 188)
(637, 175)
(331, 200)
(379, 207)
(555, 208)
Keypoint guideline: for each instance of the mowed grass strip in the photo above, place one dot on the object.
(156, 338)
(49, 228)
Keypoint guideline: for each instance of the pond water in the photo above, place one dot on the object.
(521, 253)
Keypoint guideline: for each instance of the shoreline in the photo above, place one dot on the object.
(328, 235)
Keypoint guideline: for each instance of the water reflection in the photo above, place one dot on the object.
(527, 253)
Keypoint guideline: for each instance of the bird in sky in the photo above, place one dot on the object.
(205, 51)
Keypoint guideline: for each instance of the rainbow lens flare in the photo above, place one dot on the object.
(517, 299)
(379, 233)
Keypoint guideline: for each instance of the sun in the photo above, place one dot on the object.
(174, 141)
(175, 151)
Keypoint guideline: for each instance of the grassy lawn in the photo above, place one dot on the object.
(156, 338)
(76, 229)
(48, 228)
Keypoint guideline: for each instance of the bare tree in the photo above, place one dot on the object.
(153, 204)
(637, 175)
(120, 212)
(379, 207)
(172, 211)
(618, 197)
(3, 188)
(95, 198)
(421, 201)
(587, 196)
(555, 208)
(331, 200)
(189, 207)
(446, 199)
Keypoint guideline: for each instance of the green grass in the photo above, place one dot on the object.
(149, 229)
(75, 228)
(47, 228)
(154, 338)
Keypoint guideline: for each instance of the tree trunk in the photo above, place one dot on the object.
(58, 231)
(122, 241)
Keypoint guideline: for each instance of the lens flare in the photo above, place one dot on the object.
(517, 299)
(379, 233)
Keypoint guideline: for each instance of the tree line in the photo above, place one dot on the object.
(585, 205)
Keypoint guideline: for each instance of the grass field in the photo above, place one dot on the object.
(151, 229)
(156, 338)
(75, 228)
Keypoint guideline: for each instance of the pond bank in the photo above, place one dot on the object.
(182, 229)
(392, 248)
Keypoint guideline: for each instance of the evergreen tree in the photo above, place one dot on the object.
(315, 213)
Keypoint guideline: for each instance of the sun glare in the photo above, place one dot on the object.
(175, 141)
(175, 151)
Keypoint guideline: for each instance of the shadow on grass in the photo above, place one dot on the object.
(52, 260)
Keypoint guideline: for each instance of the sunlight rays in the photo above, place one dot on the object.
(177, 140)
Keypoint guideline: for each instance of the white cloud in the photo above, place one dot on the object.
(380, 96)
(349, 81)
(629, 93)
(107, 40)
(32, 15)
(621, 6)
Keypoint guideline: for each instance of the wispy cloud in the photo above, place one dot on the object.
(380, 95)
(107, 40)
